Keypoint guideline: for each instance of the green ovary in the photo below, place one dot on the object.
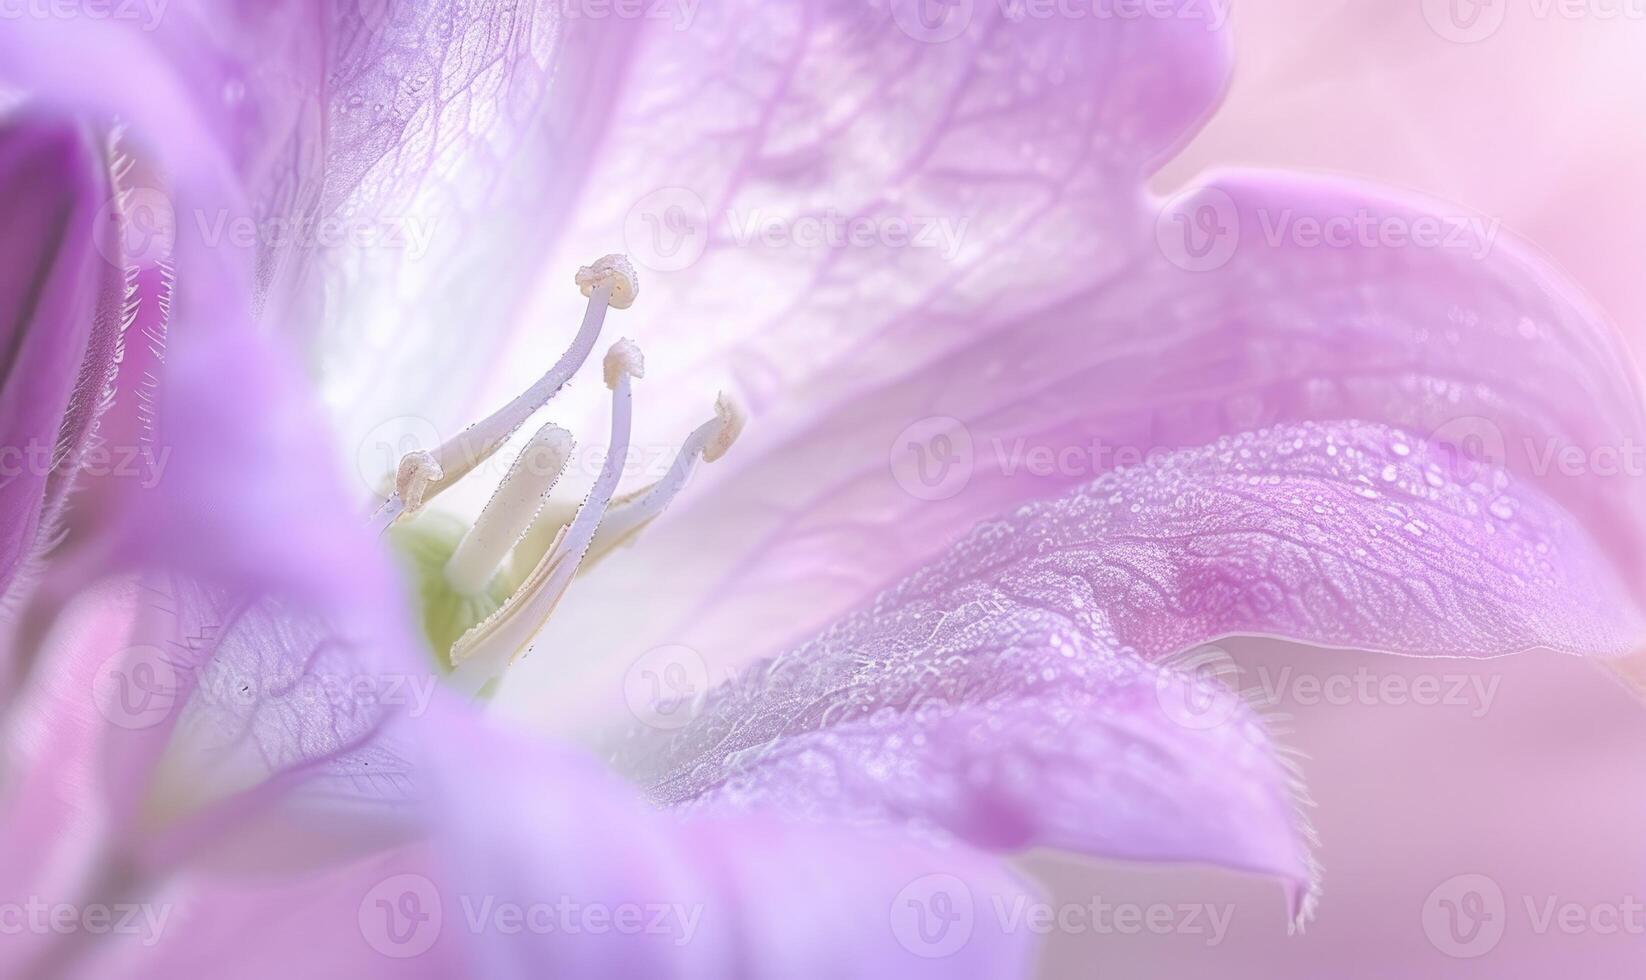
(424, 545)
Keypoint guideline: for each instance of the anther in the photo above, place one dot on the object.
(510, 511)
(610, 282)
(486, 650)
(628, 516)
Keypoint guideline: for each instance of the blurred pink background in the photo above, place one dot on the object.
(1541, 124)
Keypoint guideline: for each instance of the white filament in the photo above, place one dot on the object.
(486, 650)
(708, 442)
(510, 511)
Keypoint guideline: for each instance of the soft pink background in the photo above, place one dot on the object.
(1544, 126)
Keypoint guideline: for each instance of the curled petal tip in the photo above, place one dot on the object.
(616, 271)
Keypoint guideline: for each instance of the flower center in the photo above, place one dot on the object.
(476, 621)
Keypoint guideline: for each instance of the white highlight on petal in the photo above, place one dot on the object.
(486, 650)
(510, 511)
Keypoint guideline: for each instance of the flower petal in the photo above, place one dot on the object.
(1029, 131)
(762, 897)
(398, 162)
(1016, 150)
(59, 323)
(233, 777)
(456, 138)
(1474, 342)
(1011, 694)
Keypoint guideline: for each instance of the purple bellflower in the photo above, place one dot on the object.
(204, 711)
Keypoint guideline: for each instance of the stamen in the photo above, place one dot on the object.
(484, 651)
(510, 511)
(610, 282)
(417, 472)
(628, 516)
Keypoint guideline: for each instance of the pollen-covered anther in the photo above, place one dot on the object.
(482, 653)
(510, 511)
(418, 471)
(615, 271)
(624, 360)
(732, 419)
(609, 282)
